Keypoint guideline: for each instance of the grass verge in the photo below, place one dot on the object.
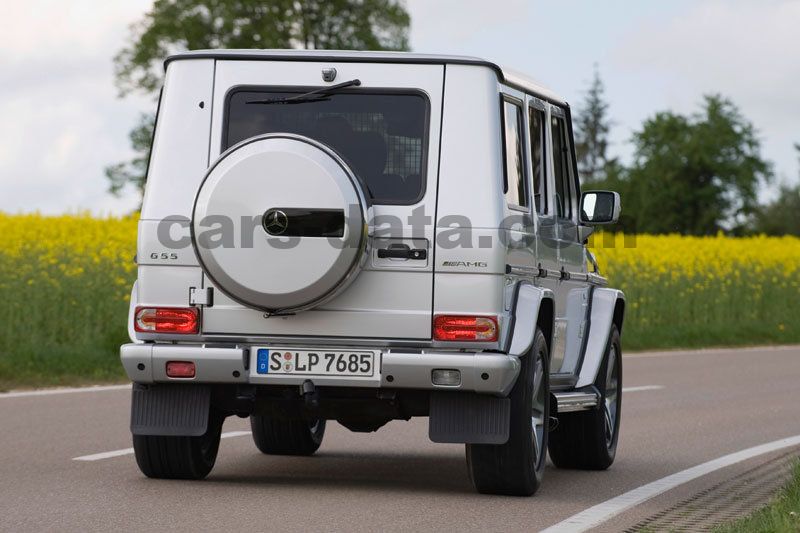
(781, 515)
(64, 294)
(698, 292)
(59, 368)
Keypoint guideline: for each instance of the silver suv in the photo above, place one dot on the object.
(366, 237)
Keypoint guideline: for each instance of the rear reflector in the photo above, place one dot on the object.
(465, 328)
(180, 369)
(167, 320)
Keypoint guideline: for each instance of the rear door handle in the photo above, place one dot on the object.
(402, 252)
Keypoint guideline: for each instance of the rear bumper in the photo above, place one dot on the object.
(488, 373)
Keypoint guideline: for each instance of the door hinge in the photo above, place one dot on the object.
(201, 296)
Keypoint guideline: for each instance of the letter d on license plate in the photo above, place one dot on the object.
(314, 363)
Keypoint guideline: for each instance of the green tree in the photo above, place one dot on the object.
(175, 25)
(592, 126)
(695, 174)
(133, 171)
(782, 216)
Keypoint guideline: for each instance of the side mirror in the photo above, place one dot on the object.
(600, 207)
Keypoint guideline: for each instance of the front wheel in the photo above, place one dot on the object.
(286, 437)
(588, 439)
(516, 468)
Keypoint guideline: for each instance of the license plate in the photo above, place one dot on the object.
(314, 363)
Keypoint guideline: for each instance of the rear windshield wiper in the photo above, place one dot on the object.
(312, 96)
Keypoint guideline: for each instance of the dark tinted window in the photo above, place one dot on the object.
(561, 168)
(381, 136)
(537, 136)
(514, 163)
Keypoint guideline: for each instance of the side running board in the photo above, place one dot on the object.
(569, 402)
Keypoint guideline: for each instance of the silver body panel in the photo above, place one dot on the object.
(483, 373)
(529, 300)
(479, 250)
(387, 299)
(604, 304)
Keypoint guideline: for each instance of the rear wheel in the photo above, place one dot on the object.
(287, 437)
(516, 467)
(179, 457)
(588, 439)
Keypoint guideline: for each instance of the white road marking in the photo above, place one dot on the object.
(642, 388)
(50, 392)
(104, 455)
(594, 516)
(129, 451)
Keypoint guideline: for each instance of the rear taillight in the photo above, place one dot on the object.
(465, 328)
(167, 320)
(180, 369)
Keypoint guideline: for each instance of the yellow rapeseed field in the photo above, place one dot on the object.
(65, 283)
(700, 291)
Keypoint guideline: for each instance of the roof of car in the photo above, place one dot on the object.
(506, 75)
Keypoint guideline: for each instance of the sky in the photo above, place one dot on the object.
(63, 122)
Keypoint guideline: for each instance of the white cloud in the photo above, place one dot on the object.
(451, 26)
(62, 123)
(48, 28)
(744, 50)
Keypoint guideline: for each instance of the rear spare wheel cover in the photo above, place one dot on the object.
(280, 223)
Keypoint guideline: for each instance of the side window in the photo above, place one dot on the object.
(561, 168)
(516, 194)
(537, 136)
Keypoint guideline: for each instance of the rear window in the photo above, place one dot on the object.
(382, 136)
(561, 168)
(516, 195)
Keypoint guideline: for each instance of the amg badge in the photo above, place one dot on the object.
(465, 264)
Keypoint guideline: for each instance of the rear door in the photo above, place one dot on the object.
(572, 293)
(388, 131)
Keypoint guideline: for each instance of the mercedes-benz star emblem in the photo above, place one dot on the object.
(275, 222)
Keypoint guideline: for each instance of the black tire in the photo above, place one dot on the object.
(581, 440)
(516, 468)
(179, 457)
(287, 437)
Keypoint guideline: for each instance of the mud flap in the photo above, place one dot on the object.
(462, 417)
(173, 410)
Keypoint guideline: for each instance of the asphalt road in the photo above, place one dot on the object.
(680, 409)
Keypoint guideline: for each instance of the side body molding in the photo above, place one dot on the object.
(603, 304)
(527, 301)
